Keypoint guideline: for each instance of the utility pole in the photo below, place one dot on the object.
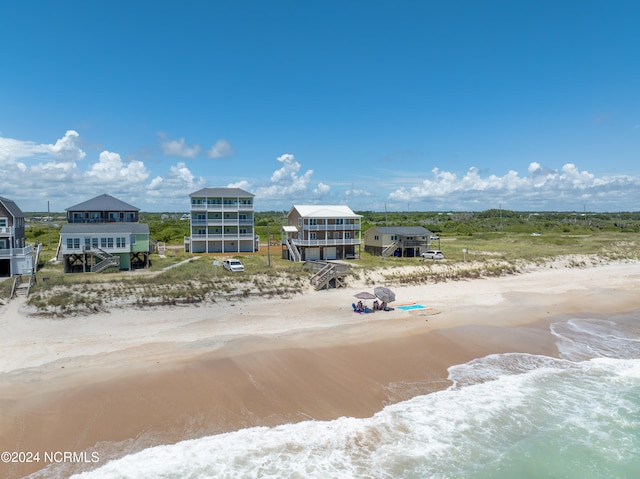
(268, 245)
(49, 222)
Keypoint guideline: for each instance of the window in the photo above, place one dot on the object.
(121, 242)
(312, 235)
(103, 242)
(109, 242)
(94, 242)
(87, 243)
(313, 221)
(376, 238)
(347, 235)
(76, 243)
(339, 221)
(4, 222)
(201, 231)
(69, 243)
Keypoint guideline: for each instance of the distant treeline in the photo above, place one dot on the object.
(171, 229)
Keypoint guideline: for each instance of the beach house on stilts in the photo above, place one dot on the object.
(101, 233)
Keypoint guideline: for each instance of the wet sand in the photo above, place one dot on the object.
(116, 383)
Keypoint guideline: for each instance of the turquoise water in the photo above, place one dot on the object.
(411, 307)
(506, 416)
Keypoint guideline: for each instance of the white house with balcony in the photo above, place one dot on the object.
(321, 232)
(222, 221)
(16, 257)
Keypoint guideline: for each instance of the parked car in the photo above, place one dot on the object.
(233, 265)
(434, 237)
(433, 254)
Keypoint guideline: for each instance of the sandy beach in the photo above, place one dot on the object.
(114, 383)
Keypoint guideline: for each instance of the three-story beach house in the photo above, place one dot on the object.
(222, 221)
(321, 232)
(402, 241)
(16, 257)
(103, 232)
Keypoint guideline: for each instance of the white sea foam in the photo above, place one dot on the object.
(511, 415)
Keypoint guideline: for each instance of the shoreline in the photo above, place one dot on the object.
(120, 382)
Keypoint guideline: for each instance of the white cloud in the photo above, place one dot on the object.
(243, 185)
(111, 169)
(221, 149)
(176, 185)
(66, 149)
(322, 189)
(541, 188)
(357, 193)
(285, 181)
(179, 148)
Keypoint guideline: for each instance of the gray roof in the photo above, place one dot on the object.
(105, 228)
(103, 202)
(11, 207)
(402, 230)
(222, 192)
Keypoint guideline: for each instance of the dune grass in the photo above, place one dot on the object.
(187, 279)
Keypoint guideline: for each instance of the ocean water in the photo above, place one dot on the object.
(506, 416)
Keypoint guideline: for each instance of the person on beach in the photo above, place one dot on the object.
(376, 305)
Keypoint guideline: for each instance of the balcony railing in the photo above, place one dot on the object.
(11, 252)
(8, 230)
(103, 220)
(331, 227)
(218, 237)
(220, 221)
(326, 242)
(221, 206)
(412, 243)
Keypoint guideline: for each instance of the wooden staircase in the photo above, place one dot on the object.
(293, 250)
(389, 250)
(21, 286)
(330, 275)
(108, 260)
(22, 283)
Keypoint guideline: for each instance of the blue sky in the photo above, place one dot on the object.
(407, 105)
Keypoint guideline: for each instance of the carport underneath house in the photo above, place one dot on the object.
(93, 248)
(96, 261)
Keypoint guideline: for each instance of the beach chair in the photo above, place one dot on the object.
(355, 308)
